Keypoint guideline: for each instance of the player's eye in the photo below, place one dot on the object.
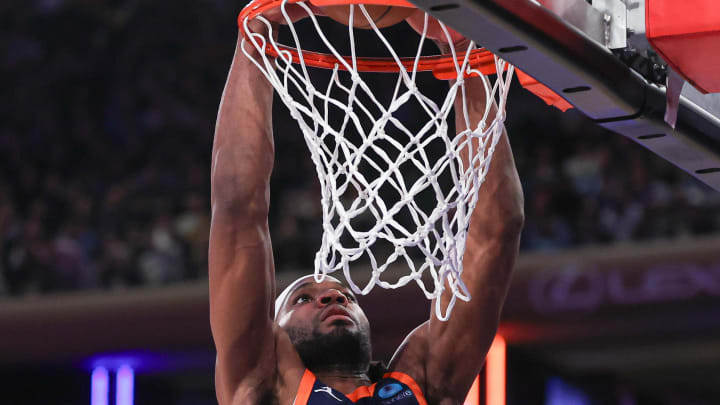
(350, 297)
(302, 298)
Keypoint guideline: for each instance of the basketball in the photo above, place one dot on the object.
(383, 16)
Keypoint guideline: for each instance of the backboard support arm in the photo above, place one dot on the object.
(590, 77)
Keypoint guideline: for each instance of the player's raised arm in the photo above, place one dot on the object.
(242, 274)
(457, 348)
(240, 258)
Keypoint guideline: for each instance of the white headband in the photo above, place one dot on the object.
(280, 300)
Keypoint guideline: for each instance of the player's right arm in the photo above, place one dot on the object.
(254, 357)
(241, 269)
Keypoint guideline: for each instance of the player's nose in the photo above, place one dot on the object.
(332, 296)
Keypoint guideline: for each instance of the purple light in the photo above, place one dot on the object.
(99, 386)
(124, 385)
(559, 392)
(143, 361)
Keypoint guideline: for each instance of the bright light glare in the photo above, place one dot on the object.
(125, 381)
(495, 365)
(99, 386)
(473, 396)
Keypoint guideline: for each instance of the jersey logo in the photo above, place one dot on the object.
(389, 390)
(328, 391)
(398, 397)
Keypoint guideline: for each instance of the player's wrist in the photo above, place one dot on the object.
(460, 46)
(260, 27)
(250, 34)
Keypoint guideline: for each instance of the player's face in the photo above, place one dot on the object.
(323, 308)
(327, 327)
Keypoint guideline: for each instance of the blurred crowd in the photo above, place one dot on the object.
(105, 138)
(587, 186)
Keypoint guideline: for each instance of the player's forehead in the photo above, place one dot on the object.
(311, 285)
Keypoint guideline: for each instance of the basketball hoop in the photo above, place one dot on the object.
(357, 172)
(442, 66)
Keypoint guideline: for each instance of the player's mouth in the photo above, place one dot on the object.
(336, 314)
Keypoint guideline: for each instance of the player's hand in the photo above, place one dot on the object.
(294, 12)
(276, 18)
(436, 33)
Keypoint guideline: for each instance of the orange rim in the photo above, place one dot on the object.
(442, 66)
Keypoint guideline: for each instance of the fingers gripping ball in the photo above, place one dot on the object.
(383, 16)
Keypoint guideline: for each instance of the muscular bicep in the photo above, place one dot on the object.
(444, 357)
(456, 348)
(241, 293)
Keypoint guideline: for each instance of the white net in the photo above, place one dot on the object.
(375, 167)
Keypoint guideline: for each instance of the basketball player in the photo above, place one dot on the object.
(313, 346)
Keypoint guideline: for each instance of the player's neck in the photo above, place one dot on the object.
(343, 380)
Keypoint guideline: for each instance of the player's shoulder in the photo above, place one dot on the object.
(290, 368)
(410, 358)
(274, 380)
(410, 365)
(248, 394)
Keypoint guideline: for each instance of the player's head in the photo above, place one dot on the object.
(325, 323)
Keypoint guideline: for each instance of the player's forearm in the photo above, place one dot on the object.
(242, 160)
(499, 211)
(243, 150)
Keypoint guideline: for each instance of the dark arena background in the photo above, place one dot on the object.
(106, 126)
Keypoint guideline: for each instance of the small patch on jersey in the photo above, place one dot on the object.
(389, 390)
(399, 397)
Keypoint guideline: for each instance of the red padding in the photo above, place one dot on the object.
(687, 36)
(542, 91)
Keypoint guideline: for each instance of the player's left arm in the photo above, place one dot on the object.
(455, 349)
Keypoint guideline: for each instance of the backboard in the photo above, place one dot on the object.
(596, 55)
